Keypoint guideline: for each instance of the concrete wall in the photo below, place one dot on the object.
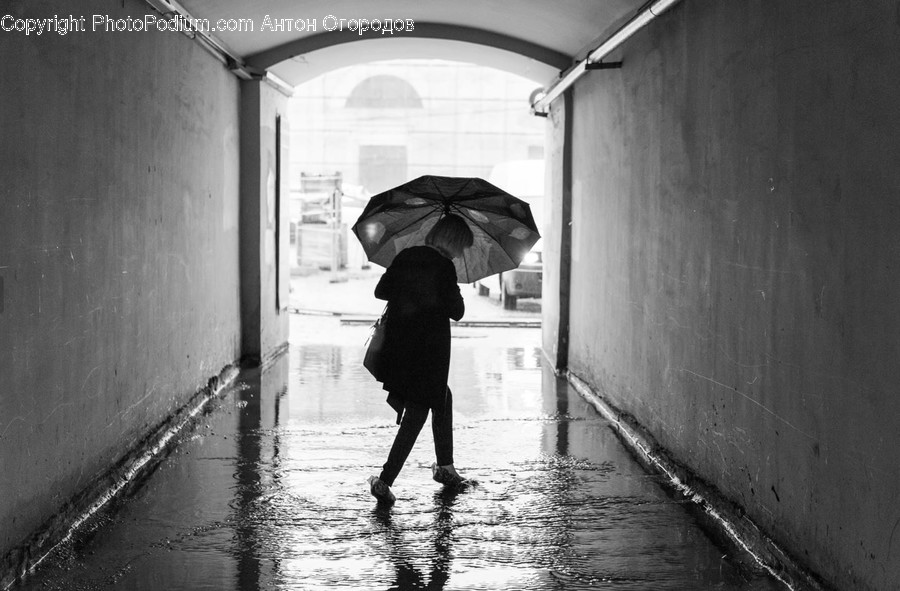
(119, 284)
(557, 235)
(736, 198)
(265, 272)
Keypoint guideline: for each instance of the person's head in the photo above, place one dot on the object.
(450, 235)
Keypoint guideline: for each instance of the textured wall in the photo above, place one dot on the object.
(554, 321)
(265, 274)
(736, 203)
(118, 247)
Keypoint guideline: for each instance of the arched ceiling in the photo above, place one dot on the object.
(307, 65)
(532, 38)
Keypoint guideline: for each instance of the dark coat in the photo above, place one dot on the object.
(422, 294)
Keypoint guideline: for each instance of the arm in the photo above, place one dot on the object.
(456, 307)
(453, 300)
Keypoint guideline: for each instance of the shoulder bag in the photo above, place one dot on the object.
(374, 358)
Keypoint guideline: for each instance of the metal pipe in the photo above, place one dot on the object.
(219, 50)
(542, 105)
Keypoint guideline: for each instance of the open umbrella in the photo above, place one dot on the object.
(502, 225)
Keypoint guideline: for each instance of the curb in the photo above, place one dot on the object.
(727, 521)
(350, 319)
(137, 461)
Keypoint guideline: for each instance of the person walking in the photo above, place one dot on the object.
(422, 294)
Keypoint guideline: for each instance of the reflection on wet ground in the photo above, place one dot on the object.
(268, 490)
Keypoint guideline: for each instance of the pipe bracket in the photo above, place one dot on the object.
(601, 65)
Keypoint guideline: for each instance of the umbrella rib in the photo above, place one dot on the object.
(438, 190)
(492, 237)
(475, 222)
(415, 221)
(397, 231)
(493, 211)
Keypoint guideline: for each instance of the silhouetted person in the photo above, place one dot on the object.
(422, 294)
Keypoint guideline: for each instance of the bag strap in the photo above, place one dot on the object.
(381, 320)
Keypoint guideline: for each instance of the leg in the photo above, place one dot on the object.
(410, 426)
(443, 470)
(442, 429)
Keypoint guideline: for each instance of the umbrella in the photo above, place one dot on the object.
(502, 225)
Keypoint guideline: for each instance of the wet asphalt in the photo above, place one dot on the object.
(267, 490)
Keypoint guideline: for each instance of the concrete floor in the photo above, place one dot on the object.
(267, 490)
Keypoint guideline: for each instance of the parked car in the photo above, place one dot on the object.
(525, 180)
(525, 281)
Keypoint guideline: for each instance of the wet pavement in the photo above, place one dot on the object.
(267, 490)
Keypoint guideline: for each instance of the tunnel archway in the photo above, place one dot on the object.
(737, 208)
(302, 59)
(465, 120)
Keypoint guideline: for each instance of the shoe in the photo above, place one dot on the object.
(381, 491)
(446, 477)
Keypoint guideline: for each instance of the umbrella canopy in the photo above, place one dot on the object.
(502, 225)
